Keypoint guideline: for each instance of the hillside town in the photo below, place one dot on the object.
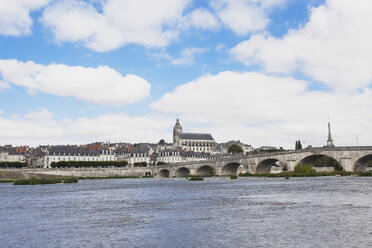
(186, 147)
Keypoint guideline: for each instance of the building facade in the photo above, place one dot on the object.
(63, 153)
(134, 156)
(195, 142)
(12, 155)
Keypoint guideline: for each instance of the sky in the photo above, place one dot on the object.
(265, 72)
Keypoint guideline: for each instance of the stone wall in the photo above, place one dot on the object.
(324, 169)
(72, 172)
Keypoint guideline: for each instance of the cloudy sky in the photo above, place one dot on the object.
(266, 72)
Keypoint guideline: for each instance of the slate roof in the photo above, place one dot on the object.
(195, 136)
(73, 151)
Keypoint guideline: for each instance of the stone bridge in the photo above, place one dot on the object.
(349, 158)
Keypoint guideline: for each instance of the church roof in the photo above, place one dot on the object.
(195, 136)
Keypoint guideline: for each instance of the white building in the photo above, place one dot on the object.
(169, 156)
(62, 153)
(12, 156)
(135, 156)
(196, 142)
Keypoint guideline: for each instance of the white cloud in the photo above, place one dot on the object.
(23, 131)
(153, 24)
(121, 127)
(147, 23)
(101, 85)
(268, 110)
(15, 16)
(41, 114)
(244, 16)
(202, 18)
(3, 85)
(41, 127)
(219, 47)
(159, 54)
(334, 47)
(187, 55)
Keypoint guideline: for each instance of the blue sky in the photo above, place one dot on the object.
(267, 72)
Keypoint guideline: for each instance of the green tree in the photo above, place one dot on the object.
(326, 161)
(304, 169)
(298, 145)
(234, 148)
(369, 164)
(161, 142)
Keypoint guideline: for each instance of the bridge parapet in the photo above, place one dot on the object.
(345, 156)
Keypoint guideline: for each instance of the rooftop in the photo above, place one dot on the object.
(196, 136)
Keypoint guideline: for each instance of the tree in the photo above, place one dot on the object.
(161, 142)
(326, 161)
(298, 145)
(234, 148)
(304, 169)
(369, 164)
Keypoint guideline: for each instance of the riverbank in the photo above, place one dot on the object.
(83, 173)
(78, 178)
(9, 175)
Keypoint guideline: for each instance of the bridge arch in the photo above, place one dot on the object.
(231, 169)
(164, 173)
(363, 163)
(182, 172)
(265, 165)
(321, 162)
(205, 170)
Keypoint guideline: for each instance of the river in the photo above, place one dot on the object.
(216, 212)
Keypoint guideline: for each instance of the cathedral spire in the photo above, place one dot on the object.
(330, 140)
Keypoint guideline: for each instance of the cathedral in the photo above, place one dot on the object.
(195, 142)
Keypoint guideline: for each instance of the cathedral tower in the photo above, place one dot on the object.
(177, 129)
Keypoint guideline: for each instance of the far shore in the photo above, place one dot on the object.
(6, 176)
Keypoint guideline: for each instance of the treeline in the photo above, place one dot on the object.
(83, 164)
(161, 163)
(326, 161)
(12, 165)
(140, 164)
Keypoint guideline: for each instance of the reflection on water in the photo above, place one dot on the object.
(248, 212)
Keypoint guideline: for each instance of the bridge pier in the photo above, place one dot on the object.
(291, 165)
(347, 163)
(193, 171)
(172, 173)
(218, 171)
(241, 169)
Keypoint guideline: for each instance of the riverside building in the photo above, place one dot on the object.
(195, 142)
(73, 153)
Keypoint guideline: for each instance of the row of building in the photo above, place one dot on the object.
(186, 147)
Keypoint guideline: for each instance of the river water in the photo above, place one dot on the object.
(216, 212)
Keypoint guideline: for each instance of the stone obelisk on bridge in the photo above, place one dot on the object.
(329, 140)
